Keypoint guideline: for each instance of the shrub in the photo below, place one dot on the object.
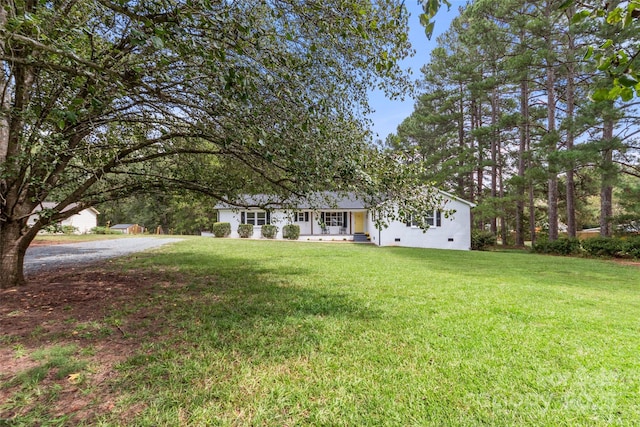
(291, 231)
(103, 230)
(613, 247)
(602, 246)
(52, 228)
(245, 230)
(561, 246)
(69, 229)
(221, 229)
(269, 231)
(541, 246)
(480, 240)
(632, 246)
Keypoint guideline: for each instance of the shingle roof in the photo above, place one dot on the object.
(326, 200)
(121, 226)
(51, 205)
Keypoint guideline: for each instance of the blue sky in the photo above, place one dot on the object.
(389, 114)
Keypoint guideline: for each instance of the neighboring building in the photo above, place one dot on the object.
(84, 221)
(348, 218)
(127, 228)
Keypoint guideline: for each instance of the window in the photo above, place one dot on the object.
(334, 219)
(255, 217)
(431, 218)
(301, 217)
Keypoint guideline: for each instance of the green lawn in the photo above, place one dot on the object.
(281, 333)
(330, 334)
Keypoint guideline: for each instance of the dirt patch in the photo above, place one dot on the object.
(48, 243)
(632, 263)
(99, 313)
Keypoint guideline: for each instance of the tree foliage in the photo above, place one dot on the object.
(103, 99)
(509, 117)
(618, 58)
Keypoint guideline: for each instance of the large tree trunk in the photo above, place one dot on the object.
(4, 99)
(551, 143)
(532, 214)
(571, 74)
(608, 176)
(475, 124)
(552, 193)
(494, 159)
(522, 150)
(606, 210)
(13, 246)
(461, 146)
(504, 231)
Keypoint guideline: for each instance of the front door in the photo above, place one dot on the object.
(358, 222)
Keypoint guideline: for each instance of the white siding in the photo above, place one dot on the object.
(278, 218)
(84, 221)
(306, 226)
(454, 232)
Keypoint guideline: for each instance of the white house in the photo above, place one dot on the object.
(83, 221)
(348, 218)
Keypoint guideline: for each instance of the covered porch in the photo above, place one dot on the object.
(335, 223)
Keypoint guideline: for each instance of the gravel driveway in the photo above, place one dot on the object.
(39, 258)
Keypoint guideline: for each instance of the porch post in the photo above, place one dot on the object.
(351, 222)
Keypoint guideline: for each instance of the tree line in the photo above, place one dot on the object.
(522, 116)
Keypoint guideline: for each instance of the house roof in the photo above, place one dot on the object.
(328, 199)
(122, 226)
(51, 205)
(324, 200)
(451, 196)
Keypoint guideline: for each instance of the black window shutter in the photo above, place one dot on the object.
(344, 219)
(322, 217)
(268, 217)
(306, 217)
(242, 218)
(438, 218)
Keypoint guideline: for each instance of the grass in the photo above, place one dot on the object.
(280, 333)
(58, 362)
(292, 333)
(77, 238)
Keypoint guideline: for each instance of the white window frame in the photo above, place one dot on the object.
(255, 218)
(432, 218)
(334, 219)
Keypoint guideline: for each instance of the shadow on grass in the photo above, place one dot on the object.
(251, 308)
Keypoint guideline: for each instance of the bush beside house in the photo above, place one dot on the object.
(221, 229)
(480, 240)
(269, 231)
(291, 231)
(245, 230)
